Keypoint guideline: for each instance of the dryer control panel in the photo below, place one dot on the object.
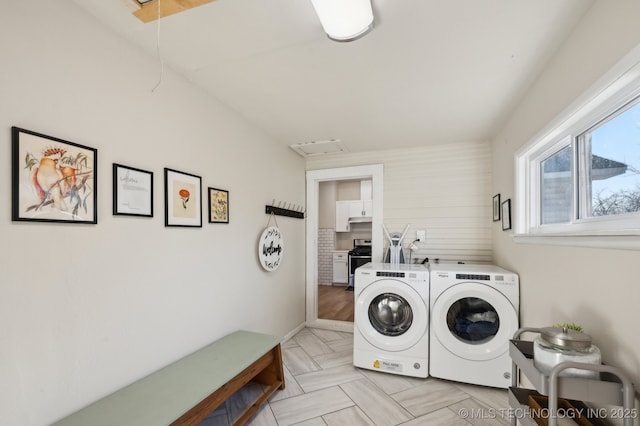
(390, 274)
(476, 277)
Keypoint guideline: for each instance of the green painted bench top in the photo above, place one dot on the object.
(163, 396)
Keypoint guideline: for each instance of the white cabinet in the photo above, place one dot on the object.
(360, 208)
(366, 189)
(351, 208)
(354, 208)
(342, 216)
(340, 267)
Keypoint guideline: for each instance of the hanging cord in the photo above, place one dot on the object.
(158, 51)
(272, 216)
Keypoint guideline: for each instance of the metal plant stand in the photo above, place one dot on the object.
(613, 387)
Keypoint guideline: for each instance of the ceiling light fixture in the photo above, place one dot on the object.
(151, 10)
(344, 20)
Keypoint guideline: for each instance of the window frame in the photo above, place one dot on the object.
(610, 94)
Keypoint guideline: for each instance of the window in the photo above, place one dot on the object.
(581, 176)
(613, 179)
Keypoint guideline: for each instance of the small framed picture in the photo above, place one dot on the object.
(182, 199)
(506, 214)
(132, 191)
(496, 207)
(218, 206)
(52, 180)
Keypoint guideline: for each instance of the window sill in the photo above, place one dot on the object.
(618, 242)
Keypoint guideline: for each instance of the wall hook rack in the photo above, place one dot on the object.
(284, 209)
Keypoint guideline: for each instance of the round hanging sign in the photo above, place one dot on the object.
(270, 248)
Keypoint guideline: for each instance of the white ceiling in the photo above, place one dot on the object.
(430, 72)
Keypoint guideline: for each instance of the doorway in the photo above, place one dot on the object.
(314, 177)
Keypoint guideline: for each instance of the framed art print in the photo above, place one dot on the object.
(132, 191)
(218, 206)
(506, 215)
(182, 199)
(496, 207)
(52, 180)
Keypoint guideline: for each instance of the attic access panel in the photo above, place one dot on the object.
(310, 149)
(148, 9)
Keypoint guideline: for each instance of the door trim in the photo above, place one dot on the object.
(314, 177)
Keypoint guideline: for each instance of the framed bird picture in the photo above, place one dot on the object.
(52, 180)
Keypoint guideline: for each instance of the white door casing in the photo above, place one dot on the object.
(314, 177)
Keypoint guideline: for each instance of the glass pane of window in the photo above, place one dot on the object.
(615, 164)
(555, 188)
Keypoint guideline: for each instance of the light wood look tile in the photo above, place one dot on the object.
(352, 416)
(493, 397)
(312, 344)
(298, 361)
(442, 417)
(323, 388)
(330, 336)
(328, 377)
(317, 421)
(309, 405)
(431, 396)
(341, 345)
(375, 403)
(334, 359)
(480, 414)
(392, 383)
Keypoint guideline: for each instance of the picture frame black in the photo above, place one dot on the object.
(496, 207)
(132, 191)
(506, 214)
(182, 199)
(52, 179)
(218, 205)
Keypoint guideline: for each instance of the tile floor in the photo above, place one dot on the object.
(324, 388)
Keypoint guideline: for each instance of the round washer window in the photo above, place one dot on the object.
(390, 314)
(473, 320)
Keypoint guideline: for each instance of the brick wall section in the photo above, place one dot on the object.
(326, 245)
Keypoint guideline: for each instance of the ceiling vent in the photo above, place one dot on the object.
(311, 149)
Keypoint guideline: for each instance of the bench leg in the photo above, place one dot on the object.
(266, 370)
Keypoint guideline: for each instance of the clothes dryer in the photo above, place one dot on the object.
(391, 318)
(474, 314)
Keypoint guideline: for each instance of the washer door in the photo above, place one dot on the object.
(391, 315)
(473, 321)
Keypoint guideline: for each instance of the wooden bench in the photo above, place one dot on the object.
(187, 391)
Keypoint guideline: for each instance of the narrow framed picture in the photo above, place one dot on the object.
(496, 207)
(506, 214)
(52, 180)
(132, 191)
(218, 205)
(182, 199)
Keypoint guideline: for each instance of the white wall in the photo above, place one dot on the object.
(86, 309)
(443, 189)
(596, 288)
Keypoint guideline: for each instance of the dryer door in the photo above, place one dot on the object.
(473, 321)
(391, 315)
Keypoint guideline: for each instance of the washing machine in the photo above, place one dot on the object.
(391, 319)
(474, 313)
